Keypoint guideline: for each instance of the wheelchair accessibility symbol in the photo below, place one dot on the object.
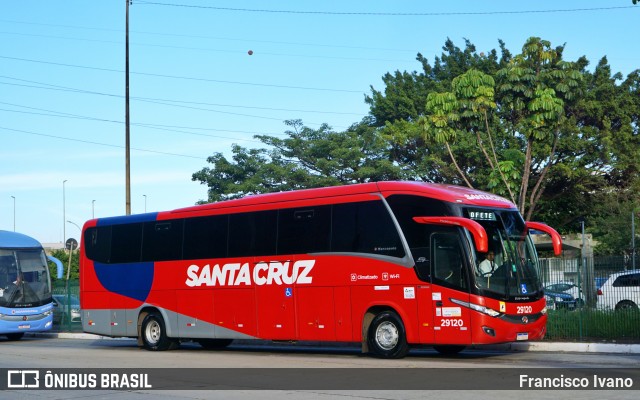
(288, 292)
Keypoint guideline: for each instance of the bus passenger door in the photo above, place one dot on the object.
(450, 290)
(275, 301)
(424, 294)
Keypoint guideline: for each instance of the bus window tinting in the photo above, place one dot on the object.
(126, 243)
(406, 207)
(447, 264)
(253, 234)
(97, 243)
(205, 237)
(304, 230)
(162, 240)
(364, 227)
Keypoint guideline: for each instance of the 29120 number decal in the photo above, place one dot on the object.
(524, 309)
(451, 322)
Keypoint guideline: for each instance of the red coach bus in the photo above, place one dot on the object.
(387, 264)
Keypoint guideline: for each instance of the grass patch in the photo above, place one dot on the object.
(592, 325)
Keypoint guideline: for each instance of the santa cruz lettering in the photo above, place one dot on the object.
(236, 274)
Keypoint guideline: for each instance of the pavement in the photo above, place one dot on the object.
(555, 347)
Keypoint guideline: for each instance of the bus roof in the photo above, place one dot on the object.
(450, 193)
(14, 240)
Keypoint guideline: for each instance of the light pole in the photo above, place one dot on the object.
(64, 213)
(145, 202)
(66, 290)
(93, 209)
(127, 121)
(14, 212)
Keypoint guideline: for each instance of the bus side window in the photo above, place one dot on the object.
(447, 263)
(126, 243)
(253, 234)
(364, 227)
(304, 230)
(162, 240)
(97, 243)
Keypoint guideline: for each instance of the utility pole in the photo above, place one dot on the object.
(127, 121)
(633, 239)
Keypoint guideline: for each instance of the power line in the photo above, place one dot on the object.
(180, 77)
(75, 90)
(382, 14)
(305, 44)
(165, 46)
(98, 143)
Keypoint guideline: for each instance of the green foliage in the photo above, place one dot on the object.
(63, 256)
(306, 158)
(561, 141)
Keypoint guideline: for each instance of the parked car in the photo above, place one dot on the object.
(61, 312)
(559, 300)
(621, 291)
(569, 288)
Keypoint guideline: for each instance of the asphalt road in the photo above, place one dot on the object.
(306, 372)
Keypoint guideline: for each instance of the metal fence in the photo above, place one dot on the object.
(597, 299)
(66, 312)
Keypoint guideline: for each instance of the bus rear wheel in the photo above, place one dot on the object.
(154, 335)
(387, 337)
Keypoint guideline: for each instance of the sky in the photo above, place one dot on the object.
(195, 90)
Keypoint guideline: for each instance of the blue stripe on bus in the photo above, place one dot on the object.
(132, 280)
(127, 219)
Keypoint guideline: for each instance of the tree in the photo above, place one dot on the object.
(306, 158)
(558, 139)
(63, 256)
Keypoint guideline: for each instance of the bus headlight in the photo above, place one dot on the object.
(484, 310)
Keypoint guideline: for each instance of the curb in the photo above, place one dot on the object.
(556, 347)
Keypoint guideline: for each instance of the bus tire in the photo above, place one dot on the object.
(448, 350)
(387, 337)
(154, 334)
(15, 336)
(214, 344)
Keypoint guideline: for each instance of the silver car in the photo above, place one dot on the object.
(61, 311)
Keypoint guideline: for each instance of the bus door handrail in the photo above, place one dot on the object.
(479, 234)
(556, 239)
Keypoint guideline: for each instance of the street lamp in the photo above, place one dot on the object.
(14, 212)
(64, 213)
(76, 225)
(145, 202)
(93, 209)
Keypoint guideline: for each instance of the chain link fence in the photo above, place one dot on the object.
(597, 299)
(66, 303)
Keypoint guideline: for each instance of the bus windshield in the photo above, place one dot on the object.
(24, 278)
(510, 266)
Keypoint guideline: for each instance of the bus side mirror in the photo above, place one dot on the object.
(479, 234)
(556, 239)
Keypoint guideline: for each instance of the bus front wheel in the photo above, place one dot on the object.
(15, 336)
(387, 337)
(154, 334)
